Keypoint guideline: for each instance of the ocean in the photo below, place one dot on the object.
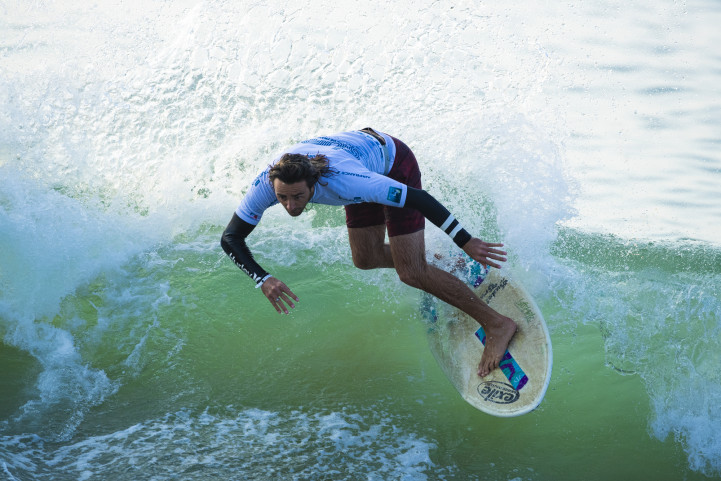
(585, 136)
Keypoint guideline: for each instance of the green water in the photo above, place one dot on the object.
(210, 346)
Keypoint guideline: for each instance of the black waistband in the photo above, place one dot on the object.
(374, 134)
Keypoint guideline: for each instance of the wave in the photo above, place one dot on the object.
(657, 307)
(120, 168)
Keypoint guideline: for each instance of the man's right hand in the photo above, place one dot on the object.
(278, 294)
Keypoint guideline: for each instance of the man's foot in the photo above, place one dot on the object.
(498, 337)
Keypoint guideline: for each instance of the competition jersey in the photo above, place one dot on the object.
(359, 167)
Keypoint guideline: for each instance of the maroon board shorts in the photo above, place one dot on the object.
(398, 220)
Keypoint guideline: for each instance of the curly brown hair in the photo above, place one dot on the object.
(292, 168)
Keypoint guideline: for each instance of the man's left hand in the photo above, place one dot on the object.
(485, 252)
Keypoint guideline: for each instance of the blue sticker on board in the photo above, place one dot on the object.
(508, 365)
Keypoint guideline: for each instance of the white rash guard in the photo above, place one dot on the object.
(359, 165)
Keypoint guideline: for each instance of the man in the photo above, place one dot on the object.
(376, 178)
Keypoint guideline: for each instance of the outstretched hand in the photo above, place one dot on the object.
(278, 294)
(484, 252)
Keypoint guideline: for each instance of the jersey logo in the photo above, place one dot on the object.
(394, 195)
(338, 144)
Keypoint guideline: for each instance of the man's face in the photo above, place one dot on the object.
(293, 197)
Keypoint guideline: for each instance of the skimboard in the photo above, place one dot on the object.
(456, 341)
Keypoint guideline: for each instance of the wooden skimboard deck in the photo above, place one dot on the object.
(455, 341)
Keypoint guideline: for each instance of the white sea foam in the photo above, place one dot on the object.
(245, 444)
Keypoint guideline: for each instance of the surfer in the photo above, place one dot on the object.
(376, 177)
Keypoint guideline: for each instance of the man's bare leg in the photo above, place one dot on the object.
(407, 253)
(368, 247)
(409, 259)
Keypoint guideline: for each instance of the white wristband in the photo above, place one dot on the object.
(262, 281)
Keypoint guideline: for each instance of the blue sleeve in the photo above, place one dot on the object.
(259, 197)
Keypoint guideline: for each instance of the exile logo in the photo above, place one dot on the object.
(497, 392)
